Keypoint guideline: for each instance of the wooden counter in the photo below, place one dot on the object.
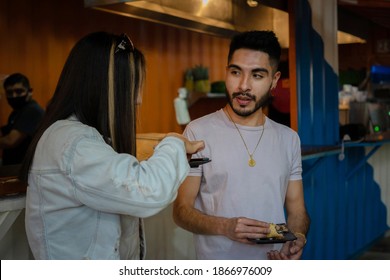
(9, 183)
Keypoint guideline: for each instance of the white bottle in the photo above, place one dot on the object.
(181, 108)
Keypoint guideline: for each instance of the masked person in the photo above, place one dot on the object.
(16, 136)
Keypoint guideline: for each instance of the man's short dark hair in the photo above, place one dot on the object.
(264, 41)
(15, 79)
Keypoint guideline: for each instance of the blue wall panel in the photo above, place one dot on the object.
(317, 84)
(342, 198)
(346, 215)
(304, 71)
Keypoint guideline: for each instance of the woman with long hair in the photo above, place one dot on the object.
(87, 192)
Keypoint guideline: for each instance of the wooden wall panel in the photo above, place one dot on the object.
(349, 53)
(38, 35)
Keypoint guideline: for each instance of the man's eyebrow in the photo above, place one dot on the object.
(234, 66)
(264, 70)
(255, 70)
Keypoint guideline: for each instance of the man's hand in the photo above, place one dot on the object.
(240, 229)
(12, 139)
(291, 250)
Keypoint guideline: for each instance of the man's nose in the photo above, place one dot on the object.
(244, 83)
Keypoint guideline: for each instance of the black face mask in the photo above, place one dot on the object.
(17, 103)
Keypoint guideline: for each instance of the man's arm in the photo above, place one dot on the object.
(186, 216)
(298, 222)
(12, 139)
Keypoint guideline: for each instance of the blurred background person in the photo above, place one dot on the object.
(16, 135)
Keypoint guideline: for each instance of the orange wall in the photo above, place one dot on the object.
(36, 37)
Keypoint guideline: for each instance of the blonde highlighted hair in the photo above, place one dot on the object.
(99, 84)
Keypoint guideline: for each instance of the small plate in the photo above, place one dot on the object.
(287, 236)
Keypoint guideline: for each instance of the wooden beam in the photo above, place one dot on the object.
(292, 67)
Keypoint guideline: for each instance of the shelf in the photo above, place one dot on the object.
(319, 153)
(200, 104)
(311, 152)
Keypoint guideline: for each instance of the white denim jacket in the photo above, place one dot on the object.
(85, 201)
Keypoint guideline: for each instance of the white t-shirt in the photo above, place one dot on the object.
(231, 188)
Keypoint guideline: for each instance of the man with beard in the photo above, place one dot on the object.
(254, 176)
(16, 136)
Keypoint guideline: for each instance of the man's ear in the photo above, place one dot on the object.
(29, 92)
(275, 79)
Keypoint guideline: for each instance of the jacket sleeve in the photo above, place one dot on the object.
(119, 183)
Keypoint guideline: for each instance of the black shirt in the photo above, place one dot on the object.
(25, 120)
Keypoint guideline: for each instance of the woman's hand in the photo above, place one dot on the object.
(191, 147)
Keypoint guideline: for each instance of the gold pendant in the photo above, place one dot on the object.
(251, 162)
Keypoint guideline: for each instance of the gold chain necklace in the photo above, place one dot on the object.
(251, 161)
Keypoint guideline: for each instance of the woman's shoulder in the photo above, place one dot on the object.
(72, 128)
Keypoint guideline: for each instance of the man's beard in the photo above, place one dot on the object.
(264, 101)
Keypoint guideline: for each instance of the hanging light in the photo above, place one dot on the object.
(252, 3)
